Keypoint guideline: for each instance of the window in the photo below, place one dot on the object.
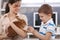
(38, 3)
(32, 1)
(37, 20)
(52, 1)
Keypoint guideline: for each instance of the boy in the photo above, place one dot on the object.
(47, 29)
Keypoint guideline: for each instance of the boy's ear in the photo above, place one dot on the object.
(49, 14)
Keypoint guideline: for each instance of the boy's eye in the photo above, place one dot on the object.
(41, 16)
(16, 6)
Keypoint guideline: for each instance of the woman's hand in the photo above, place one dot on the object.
(3, 36)
(31, 29)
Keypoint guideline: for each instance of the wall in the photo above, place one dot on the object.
(28, 11)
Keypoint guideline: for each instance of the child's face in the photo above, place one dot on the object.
(44, 17)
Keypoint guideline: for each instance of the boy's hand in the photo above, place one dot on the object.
(31, 29)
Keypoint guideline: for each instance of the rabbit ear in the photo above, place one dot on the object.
(16, 16)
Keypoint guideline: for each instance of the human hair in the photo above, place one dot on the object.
(46, 9)
(7, 9)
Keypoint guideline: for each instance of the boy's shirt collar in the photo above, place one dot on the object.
(47, 21)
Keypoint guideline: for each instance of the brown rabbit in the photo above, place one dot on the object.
(20, 24)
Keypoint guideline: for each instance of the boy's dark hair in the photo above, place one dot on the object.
(45, 8)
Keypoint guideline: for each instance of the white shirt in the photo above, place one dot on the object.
(49, 26)
(5, 22)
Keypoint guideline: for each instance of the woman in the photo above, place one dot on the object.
(11, 11)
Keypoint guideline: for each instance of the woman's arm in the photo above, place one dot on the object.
(24, 17)
(18, 31)
(2, 30)
(46, 37)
